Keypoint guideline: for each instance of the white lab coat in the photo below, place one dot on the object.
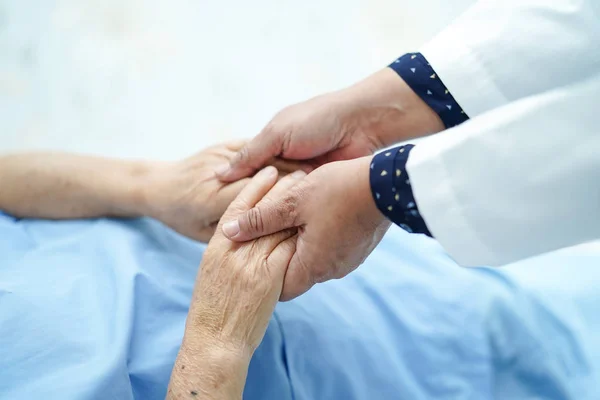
(522, 177)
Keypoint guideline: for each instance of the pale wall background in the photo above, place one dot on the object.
(163, 78)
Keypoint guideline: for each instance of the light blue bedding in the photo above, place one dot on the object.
(96, 310)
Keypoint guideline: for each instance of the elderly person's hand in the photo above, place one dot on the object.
(235, 294)
(342, 125)
(336, 216)
(187, 196)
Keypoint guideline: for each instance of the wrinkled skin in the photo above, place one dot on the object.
(337, 219)
(187, 196)
(235, 294)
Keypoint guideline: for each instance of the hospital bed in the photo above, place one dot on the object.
(95, 309)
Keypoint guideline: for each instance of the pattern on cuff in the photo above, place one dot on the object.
(390, 185)
(414, 69)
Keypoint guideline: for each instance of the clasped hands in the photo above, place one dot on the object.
(333, 137)
(332, 208)
(275, 242)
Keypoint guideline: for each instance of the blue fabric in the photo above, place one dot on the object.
(392, 192)
(420, 76)
(96, 310)
(390, 184)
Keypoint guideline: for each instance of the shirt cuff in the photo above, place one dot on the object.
(392, 192)
(418, 74)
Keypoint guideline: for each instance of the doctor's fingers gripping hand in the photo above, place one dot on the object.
(337, 219)
(235, 295)
(188, 197)
(342, 125)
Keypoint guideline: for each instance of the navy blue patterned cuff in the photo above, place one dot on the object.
(392, 192)
(414, 69)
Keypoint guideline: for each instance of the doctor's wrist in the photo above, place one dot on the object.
(389, 111)
(424, 82)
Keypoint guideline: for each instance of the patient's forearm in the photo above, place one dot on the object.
(61, 185)
(206, 369)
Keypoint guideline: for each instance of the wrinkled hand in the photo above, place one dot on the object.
(187, 196)
(239, 283)
(235, 295)
(342, 125)
(337, 220)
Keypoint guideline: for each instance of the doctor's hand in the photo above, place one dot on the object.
(235, 295)
(337, 220)
(347, 124)
(187, 196)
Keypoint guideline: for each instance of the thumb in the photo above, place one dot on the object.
(265, 218)
(251, 157)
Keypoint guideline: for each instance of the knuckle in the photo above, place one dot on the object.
(242, 155)
(270, 133)
(275, 137)
(283, 211)
(286, 141)
(255, 220)
(288, 210)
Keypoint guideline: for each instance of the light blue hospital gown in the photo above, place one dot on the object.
(95, 309)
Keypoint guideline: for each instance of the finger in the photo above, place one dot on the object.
(219, 203)
(251, 157)
(289, 166)
(271, 271)
(266, 245)
(228, 149)
(298, 278)
(236, 145)
(277, 212)
(227, 194)
(251, 194)
(280, 257)
(225, 153)
(281, 188)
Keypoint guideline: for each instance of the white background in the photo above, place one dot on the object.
(163, 79)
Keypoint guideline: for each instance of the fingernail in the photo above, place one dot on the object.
(232, 228)
(222, 169)
(298, 174)
(268, 171)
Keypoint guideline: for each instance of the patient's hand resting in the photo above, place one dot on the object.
(187, 196)
(183, 194)
(235, 294)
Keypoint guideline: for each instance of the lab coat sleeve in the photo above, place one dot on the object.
(500, 51)
(518, 181)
